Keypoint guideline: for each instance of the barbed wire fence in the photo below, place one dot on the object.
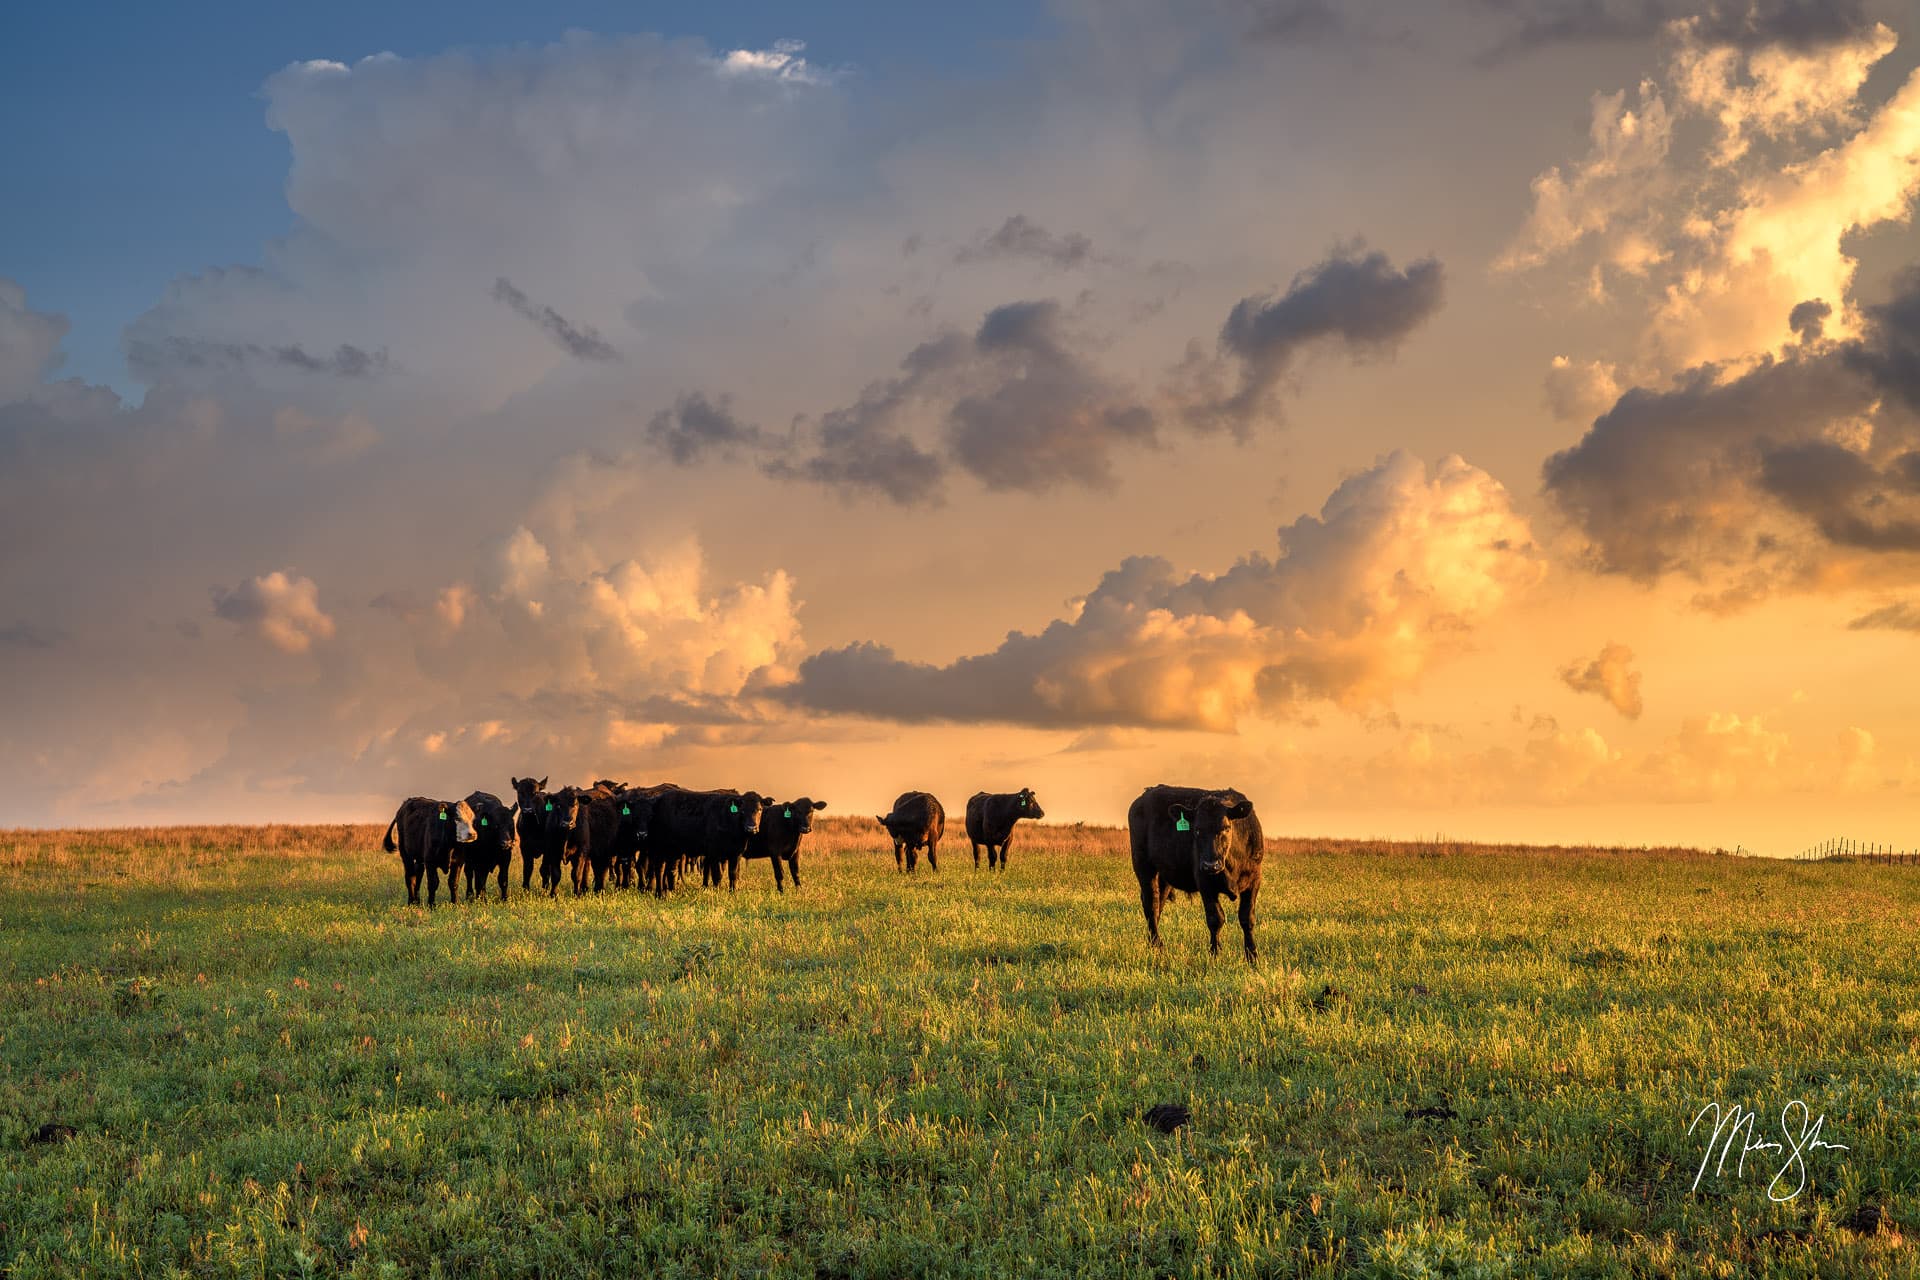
(1843, 850)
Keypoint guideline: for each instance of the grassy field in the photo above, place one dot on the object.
(273, 1067)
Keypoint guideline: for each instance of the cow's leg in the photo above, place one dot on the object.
(793, 869)
(733, 874)
(1215, 918)
(413, 885)
(913, 857)
(976, 855)
(506, 870)
(433, 882)
(777, 885)
(1005, 845)
(1246, 922)
(526, 870)
(898, 865)
(1150, 907)
(933, 847)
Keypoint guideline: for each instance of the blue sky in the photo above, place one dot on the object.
(147, 117)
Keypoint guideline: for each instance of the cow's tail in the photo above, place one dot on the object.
(390, 844)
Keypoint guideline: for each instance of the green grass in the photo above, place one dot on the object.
(275, 1068)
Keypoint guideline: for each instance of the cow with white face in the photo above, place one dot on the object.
(430, 836)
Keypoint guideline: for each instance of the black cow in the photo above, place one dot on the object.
(532, 822)
(1198, 841)
(778, 839)
(634, 845)
(711, 827)
(492, 846)
(565, 813)
(427, 834)
(917, 820)
(598, 831)
(990, 820)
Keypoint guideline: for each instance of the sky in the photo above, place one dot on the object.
(1497, 419)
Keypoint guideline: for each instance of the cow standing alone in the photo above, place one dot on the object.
(918, 820)
(1197, 841)
(427, 834)
(990, 820)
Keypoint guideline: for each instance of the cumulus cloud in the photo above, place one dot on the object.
(29, 343)
(1399, 566)
(1802, 470)
(1611, 676)
(582, 342)
(283, 607)
(1723, 238)
(1021, 237)
(1578, 390)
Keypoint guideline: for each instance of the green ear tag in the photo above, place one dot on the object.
(787, 814)
(626, 811)
(549, 806)
(733, 808)
(1182, 825)
(483, 822)
(443, 815)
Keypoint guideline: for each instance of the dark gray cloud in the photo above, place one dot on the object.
(1773, 470)
(1021, 237)
(1015, 404)
(1891, 356)
(156, 360)
(696, 428)
(1531, 25)
(1045, 417)
(1357, 301)
(583, 343)
(1903, 615)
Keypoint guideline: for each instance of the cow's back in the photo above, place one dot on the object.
(990, 817)
(923, 812)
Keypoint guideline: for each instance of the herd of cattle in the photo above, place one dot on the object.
(1191, 839)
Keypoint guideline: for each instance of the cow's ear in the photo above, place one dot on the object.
(1177, 811)
(514, 783)
(819, 804)
(1241, 810)
(542, 784)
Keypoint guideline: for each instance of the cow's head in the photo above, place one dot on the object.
(636, 817)
(562, 810)
(497, 824)
(746, 810)
(531, 796)
(798, 814)
(1028, 805)
(458, 815)
(1212, 819)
